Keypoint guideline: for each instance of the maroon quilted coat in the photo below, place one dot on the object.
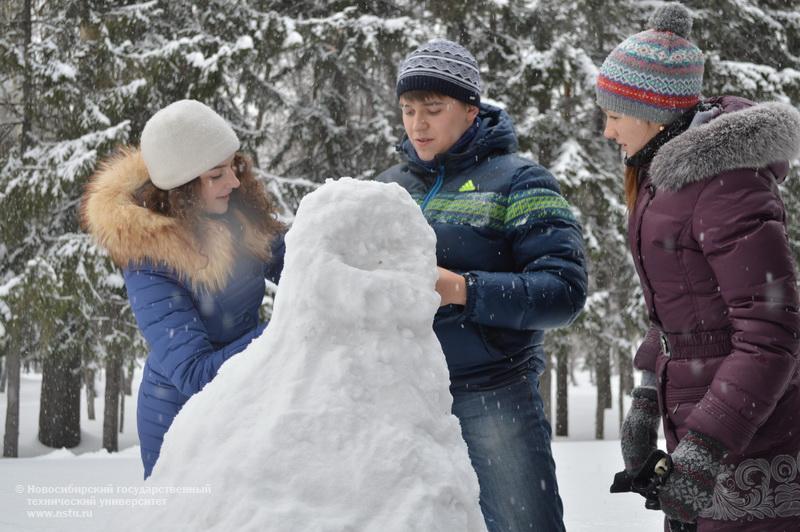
(708, 237)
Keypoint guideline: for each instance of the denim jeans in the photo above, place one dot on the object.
(508, 438)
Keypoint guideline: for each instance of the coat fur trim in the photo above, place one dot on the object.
(751, 138)
(133, 234)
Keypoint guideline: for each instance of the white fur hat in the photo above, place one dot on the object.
(183, 140)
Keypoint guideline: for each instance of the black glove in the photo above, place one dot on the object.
(689, 488)
(647, 482)
(640, 429)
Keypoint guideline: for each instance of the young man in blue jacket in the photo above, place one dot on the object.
(511, 265)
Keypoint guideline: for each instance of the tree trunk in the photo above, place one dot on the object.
(3, 375)
(568, 104)
(129, 378)
(562, 377)
(546, 387)
(625, 366)
(27, 82)
(621, 402)
(599, 418)
(603, 371)
(626, 373)
(572, 380)
(91, 392)
(122, 400)
(111, 409)
(604, 378)
(60, 401)
(11, 438)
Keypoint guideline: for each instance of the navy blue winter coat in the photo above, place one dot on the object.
(195, 297)
(501, 219)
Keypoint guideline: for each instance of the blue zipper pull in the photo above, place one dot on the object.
(435, 190)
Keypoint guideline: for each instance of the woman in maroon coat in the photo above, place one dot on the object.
(707, 231)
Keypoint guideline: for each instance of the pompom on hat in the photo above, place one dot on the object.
(441, 66)
(183, 140)
(657, 74)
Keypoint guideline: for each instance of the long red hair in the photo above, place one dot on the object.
(631, 186)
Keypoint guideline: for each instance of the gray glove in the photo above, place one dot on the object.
(640, 429)
(690, 486)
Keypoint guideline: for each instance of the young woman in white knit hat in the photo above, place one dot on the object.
(195, 235)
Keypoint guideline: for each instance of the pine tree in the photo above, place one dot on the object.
(337, 113)
(77, 118)
(754, 55)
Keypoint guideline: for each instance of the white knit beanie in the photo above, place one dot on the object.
(183, 140)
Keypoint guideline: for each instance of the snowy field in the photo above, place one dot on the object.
(585, 468)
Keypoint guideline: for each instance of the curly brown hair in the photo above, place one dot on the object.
(184, 202)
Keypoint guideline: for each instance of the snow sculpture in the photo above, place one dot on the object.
(338, 417)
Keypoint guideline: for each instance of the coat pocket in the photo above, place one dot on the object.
(490, 341)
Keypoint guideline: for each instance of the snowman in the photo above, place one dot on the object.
(338, 417)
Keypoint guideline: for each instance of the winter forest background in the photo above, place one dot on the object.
(309, 88)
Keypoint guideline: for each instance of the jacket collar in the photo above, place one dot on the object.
(134, 235)
(495, 135)
(644, 156)
(740, 135)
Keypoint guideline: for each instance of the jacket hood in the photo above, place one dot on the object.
(738, 135)
(495, 136)
(134, 235)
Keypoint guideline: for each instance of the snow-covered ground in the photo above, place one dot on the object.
(585, 468)
(91, 430)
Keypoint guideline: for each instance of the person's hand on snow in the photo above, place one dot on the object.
(639, 433)
(452, 288)
(690, 486)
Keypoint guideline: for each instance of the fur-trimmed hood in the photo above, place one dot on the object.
(133, 234)
(739, 135)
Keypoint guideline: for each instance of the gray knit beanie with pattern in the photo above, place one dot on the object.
(441, 66)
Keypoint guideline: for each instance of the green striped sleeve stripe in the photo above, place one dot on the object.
(495, 211)
(478, 209)
(535, 204)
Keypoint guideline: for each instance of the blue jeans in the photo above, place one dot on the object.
(508, 438)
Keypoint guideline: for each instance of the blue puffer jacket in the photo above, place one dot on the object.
(190, 334)
(499, 218)
(195, 296)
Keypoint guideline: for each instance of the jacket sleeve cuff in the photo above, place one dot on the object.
(718, 421)
(645, 392)
(649, 349)
(645, 400)
(715, 449)
(471, 282)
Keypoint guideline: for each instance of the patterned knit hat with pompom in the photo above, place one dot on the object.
(657, 74)
(444, 67)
